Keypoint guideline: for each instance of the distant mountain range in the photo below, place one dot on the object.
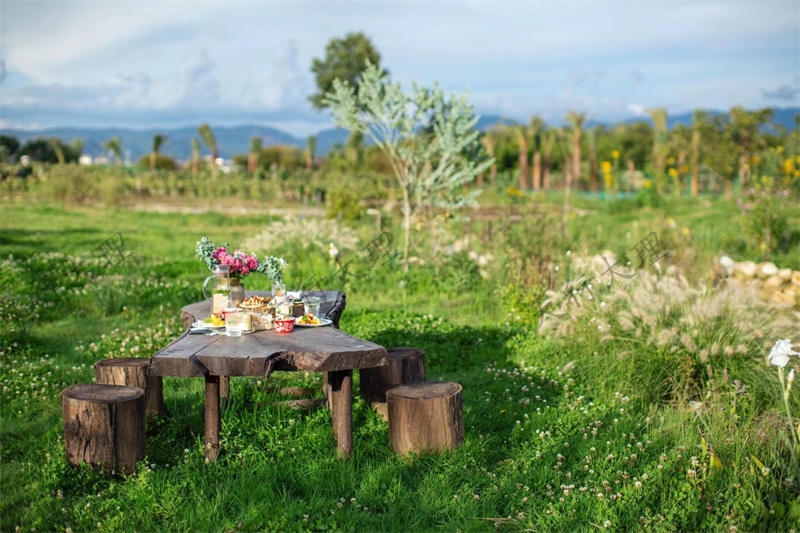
(236, 139)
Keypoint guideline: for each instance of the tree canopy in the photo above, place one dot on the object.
(345, 59)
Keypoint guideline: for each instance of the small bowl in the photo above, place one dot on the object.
(284, 325)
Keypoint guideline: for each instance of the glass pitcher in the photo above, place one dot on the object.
(217, 288)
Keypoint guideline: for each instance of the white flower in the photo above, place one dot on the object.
(333, 251)
(790, 377)
(779, 355)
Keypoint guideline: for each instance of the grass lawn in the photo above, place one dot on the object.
(586, 431)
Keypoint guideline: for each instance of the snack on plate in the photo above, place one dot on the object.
(255, 301)
(215, 320)
(307, 320)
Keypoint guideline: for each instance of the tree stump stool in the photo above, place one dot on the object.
(425, 416)
(104, 426)
(133, 373)
(406, 365)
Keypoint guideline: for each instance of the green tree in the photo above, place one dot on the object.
(536, 128)
(745, 131)
(56, 146)
(255, 150)
(659, 116)
(577, 121)
(114, 145)
(158, 142)
(10, 146)
(208, 138)
(345, 60)
(430, 166)
(195, 156)
(311, 148)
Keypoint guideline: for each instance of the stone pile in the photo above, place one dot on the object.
(778, 285)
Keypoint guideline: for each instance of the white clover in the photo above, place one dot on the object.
(779, 355)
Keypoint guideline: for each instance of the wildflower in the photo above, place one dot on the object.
(779, 355)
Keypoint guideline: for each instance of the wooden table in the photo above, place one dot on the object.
(320, 349)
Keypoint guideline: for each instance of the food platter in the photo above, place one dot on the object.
(203, 324)
(322, 322)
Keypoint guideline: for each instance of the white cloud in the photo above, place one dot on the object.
(637, 109)
(250, 61)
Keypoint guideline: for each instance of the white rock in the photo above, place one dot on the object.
(773, 283)
(727, 264)
(745, 269)
(785, 274)
(767, 269)
(796, 277)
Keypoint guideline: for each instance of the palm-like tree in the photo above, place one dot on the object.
(311, 149)
(158, 142)
(255, 150)
(592, 137)
(549, 139)
(659, 116)
(578, 122)
(536, 129)
(195, 156)
(114, 144)
(521, 133)
(697, 125)
(208, 138)
(55, 144)
(488, 140)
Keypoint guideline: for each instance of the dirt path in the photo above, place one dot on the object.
(229, 209)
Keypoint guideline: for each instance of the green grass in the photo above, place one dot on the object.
(557, 438)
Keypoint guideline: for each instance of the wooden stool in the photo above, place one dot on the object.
(425, 416)
(133, 373)
(406, 365)
(104, 426)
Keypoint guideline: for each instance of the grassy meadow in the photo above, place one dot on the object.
(649, 405)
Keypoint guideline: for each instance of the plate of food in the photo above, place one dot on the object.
(311, 321)
(212, 322)
(255, 303)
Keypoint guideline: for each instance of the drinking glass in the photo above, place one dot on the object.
(233, 324)
(311, 305)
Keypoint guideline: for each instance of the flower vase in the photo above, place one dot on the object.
(237, 292)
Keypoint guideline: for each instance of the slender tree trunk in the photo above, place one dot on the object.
(567, 185)
(631, 173)
(593, 172)
(695, 161)
(252, 162)
(681, 173)
(523, 163)
(537, 170)
(480, 180)
(406, 227)
(742, 170)
(546, 173)
(576, 157)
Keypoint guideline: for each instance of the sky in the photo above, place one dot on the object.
(180, 63)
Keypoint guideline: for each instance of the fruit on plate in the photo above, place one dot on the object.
(308, 319)
(215, 320)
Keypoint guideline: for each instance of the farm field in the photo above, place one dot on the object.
(647, 403)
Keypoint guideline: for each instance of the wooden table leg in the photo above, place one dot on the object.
(326, 390)
(341, 400)
(224, 387)
(212, 417)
